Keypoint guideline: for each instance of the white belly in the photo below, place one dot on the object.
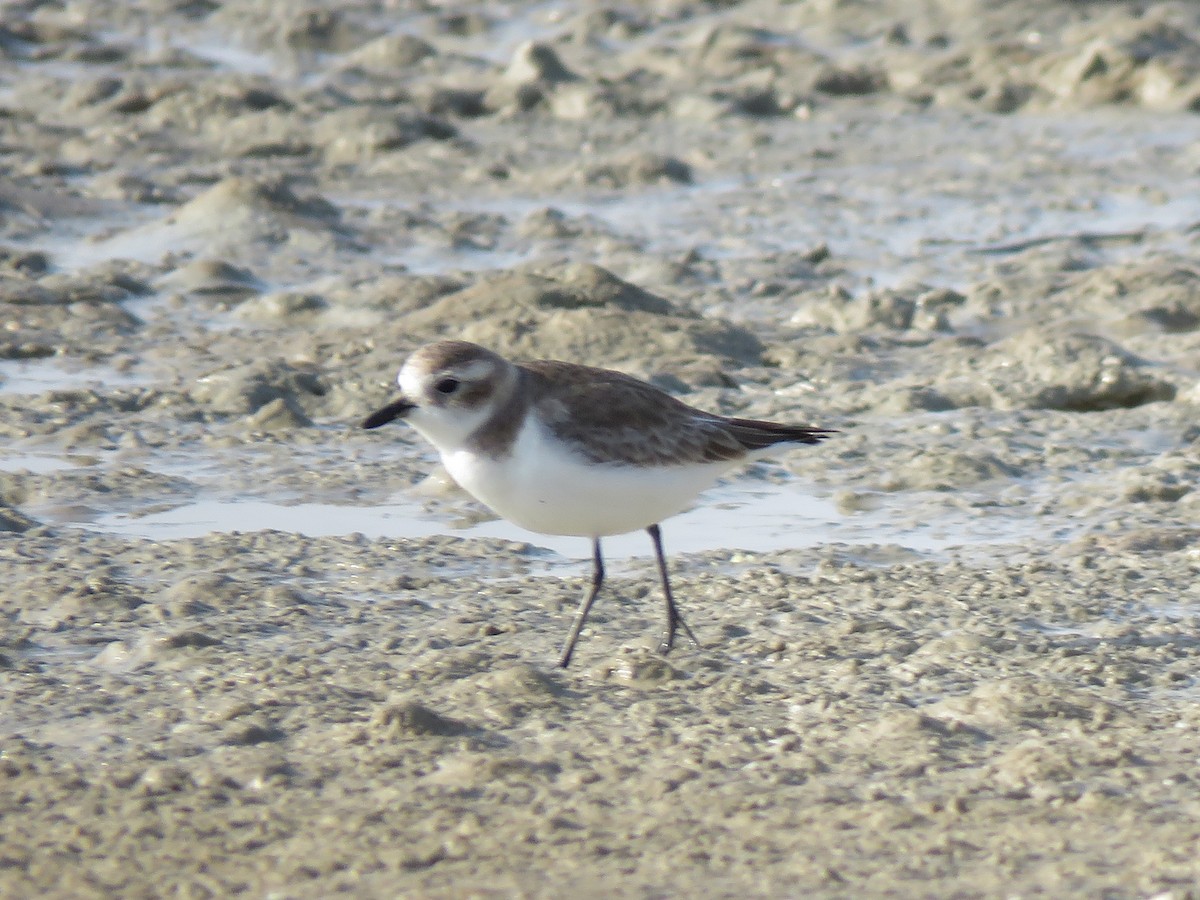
(543, 487)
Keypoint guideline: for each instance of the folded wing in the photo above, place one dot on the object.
(625, 421)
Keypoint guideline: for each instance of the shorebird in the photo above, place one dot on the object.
(565, 449)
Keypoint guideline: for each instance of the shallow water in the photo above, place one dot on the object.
(37, 376)
(737, 516)
(939, 235)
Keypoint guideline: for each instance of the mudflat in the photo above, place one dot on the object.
(247, 648)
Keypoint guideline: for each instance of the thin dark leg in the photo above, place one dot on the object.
(586, 606)
(674, 619)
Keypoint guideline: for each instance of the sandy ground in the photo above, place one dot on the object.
(961, 233)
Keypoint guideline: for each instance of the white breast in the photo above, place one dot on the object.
(544, 487)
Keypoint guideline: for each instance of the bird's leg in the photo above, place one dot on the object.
(586, 606)
(674, 619)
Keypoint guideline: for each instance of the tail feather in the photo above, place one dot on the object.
(754, 434)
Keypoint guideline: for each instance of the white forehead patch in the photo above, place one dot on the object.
(409, 380)
(413, 375)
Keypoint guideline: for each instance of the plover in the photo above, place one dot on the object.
(565, 449)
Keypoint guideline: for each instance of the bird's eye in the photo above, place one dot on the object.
(447, 386)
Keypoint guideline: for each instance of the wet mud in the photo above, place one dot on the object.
(247, 648)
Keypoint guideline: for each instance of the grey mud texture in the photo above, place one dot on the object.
(963, 233)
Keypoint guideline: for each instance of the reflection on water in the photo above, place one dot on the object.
(36, 376)
(737, 516)
(37, 463)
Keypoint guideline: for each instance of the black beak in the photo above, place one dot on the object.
(397, 409)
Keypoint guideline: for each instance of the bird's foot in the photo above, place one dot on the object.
(668, 638)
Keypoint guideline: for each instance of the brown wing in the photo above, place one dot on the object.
(615, 418)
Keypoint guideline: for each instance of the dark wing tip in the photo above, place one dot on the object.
(798, 435)
(817, 435)
(754, 434)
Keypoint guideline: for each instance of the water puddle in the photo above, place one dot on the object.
(944, 233)
(231, 57)
(940, 234)
(513, 25)
(37, 463)
(142, 236)
(37, 376)
(732, 517)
